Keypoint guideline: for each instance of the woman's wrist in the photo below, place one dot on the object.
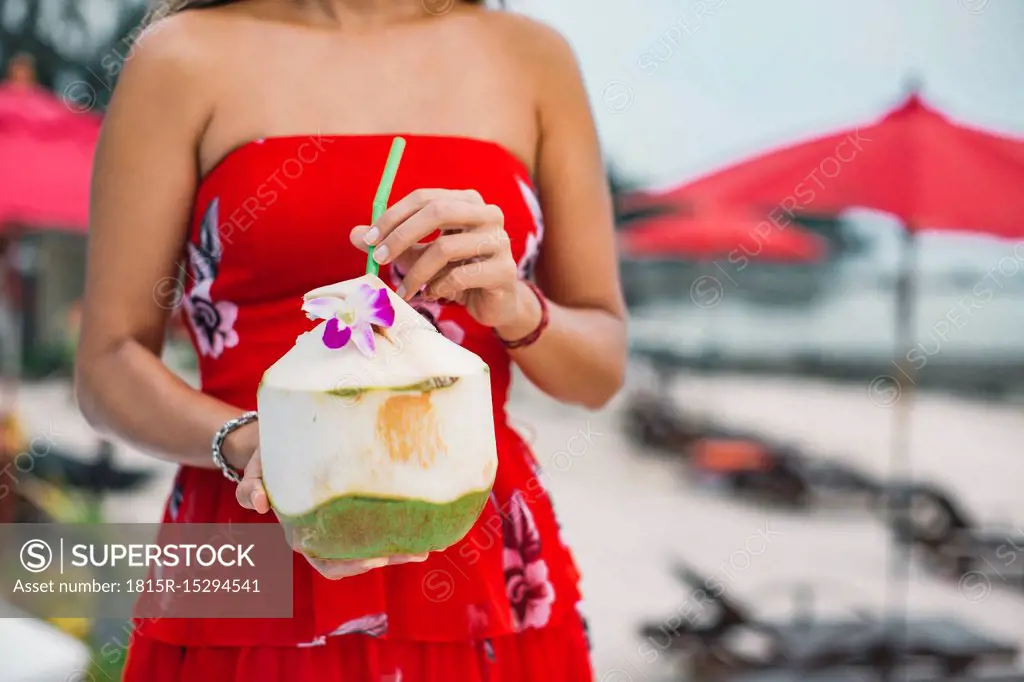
(240, 445)
(529, 314)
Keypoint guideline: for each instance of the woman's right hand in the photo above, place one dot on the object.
(251, 494)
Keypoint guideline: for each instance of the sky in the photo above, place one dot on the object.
(680, 86)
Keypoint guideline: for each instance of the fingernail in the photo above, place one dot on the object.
(380, 254)
(375, 563)
(371, 236)
(400, 291)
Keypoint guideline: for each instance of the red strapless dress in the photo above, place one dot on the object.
(271, 222)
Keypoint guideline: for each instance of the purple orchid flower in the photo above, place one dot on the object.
(352, 317)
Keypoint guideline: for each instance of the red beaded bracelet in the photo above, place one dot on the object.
(532, 337)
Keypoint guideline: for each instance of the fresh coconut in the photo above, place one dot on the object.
(376, 432)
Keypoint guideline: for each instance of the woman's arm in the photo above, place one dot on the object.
(581, 356)
(143, 187)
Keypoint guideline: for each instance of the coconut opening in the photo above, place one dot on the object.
(409, 353)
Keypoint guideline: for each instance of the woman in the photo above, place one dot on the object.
(248, 138)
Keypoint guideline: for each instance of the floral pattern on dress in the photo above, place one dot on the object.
(431, 311)
(213, 322)
(531, 251)
(478, 620)
(529, 589)
(375, 625)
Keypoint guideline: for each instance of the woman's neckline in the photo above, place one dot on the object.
(244, 147)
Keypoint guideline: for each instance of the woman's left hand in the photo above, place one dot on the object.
(469, 263)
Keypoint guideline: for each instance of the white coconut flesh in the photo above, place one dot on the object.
(414, 422)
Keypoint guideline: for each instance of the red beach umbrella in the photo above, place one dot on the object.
(46, 158)
(914, 163)
(735, 236)
(720, 235)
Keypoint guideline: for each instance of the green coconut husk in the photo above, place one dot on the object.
(358, 527)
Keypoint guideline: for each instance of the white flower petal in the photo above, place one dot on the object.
(323, 308)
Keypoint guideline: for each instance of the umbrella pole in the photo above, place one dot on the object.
(10, 332)
(900, 462)
(704, 414)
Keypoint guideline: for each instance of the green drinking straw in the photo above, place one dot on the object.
(380, 200)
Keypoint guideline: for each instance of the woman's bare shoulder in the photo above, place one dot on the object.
(542, 52)
(180, 37)
(543, 55)
(529, 37)
(202, 41)
(177, 48)
(183, 57)
(168, 82)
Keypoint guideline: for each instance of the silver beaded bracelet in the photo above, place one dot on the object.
(218, 444)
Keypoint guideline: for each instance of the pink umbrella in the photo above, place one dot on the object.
(46, 157)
